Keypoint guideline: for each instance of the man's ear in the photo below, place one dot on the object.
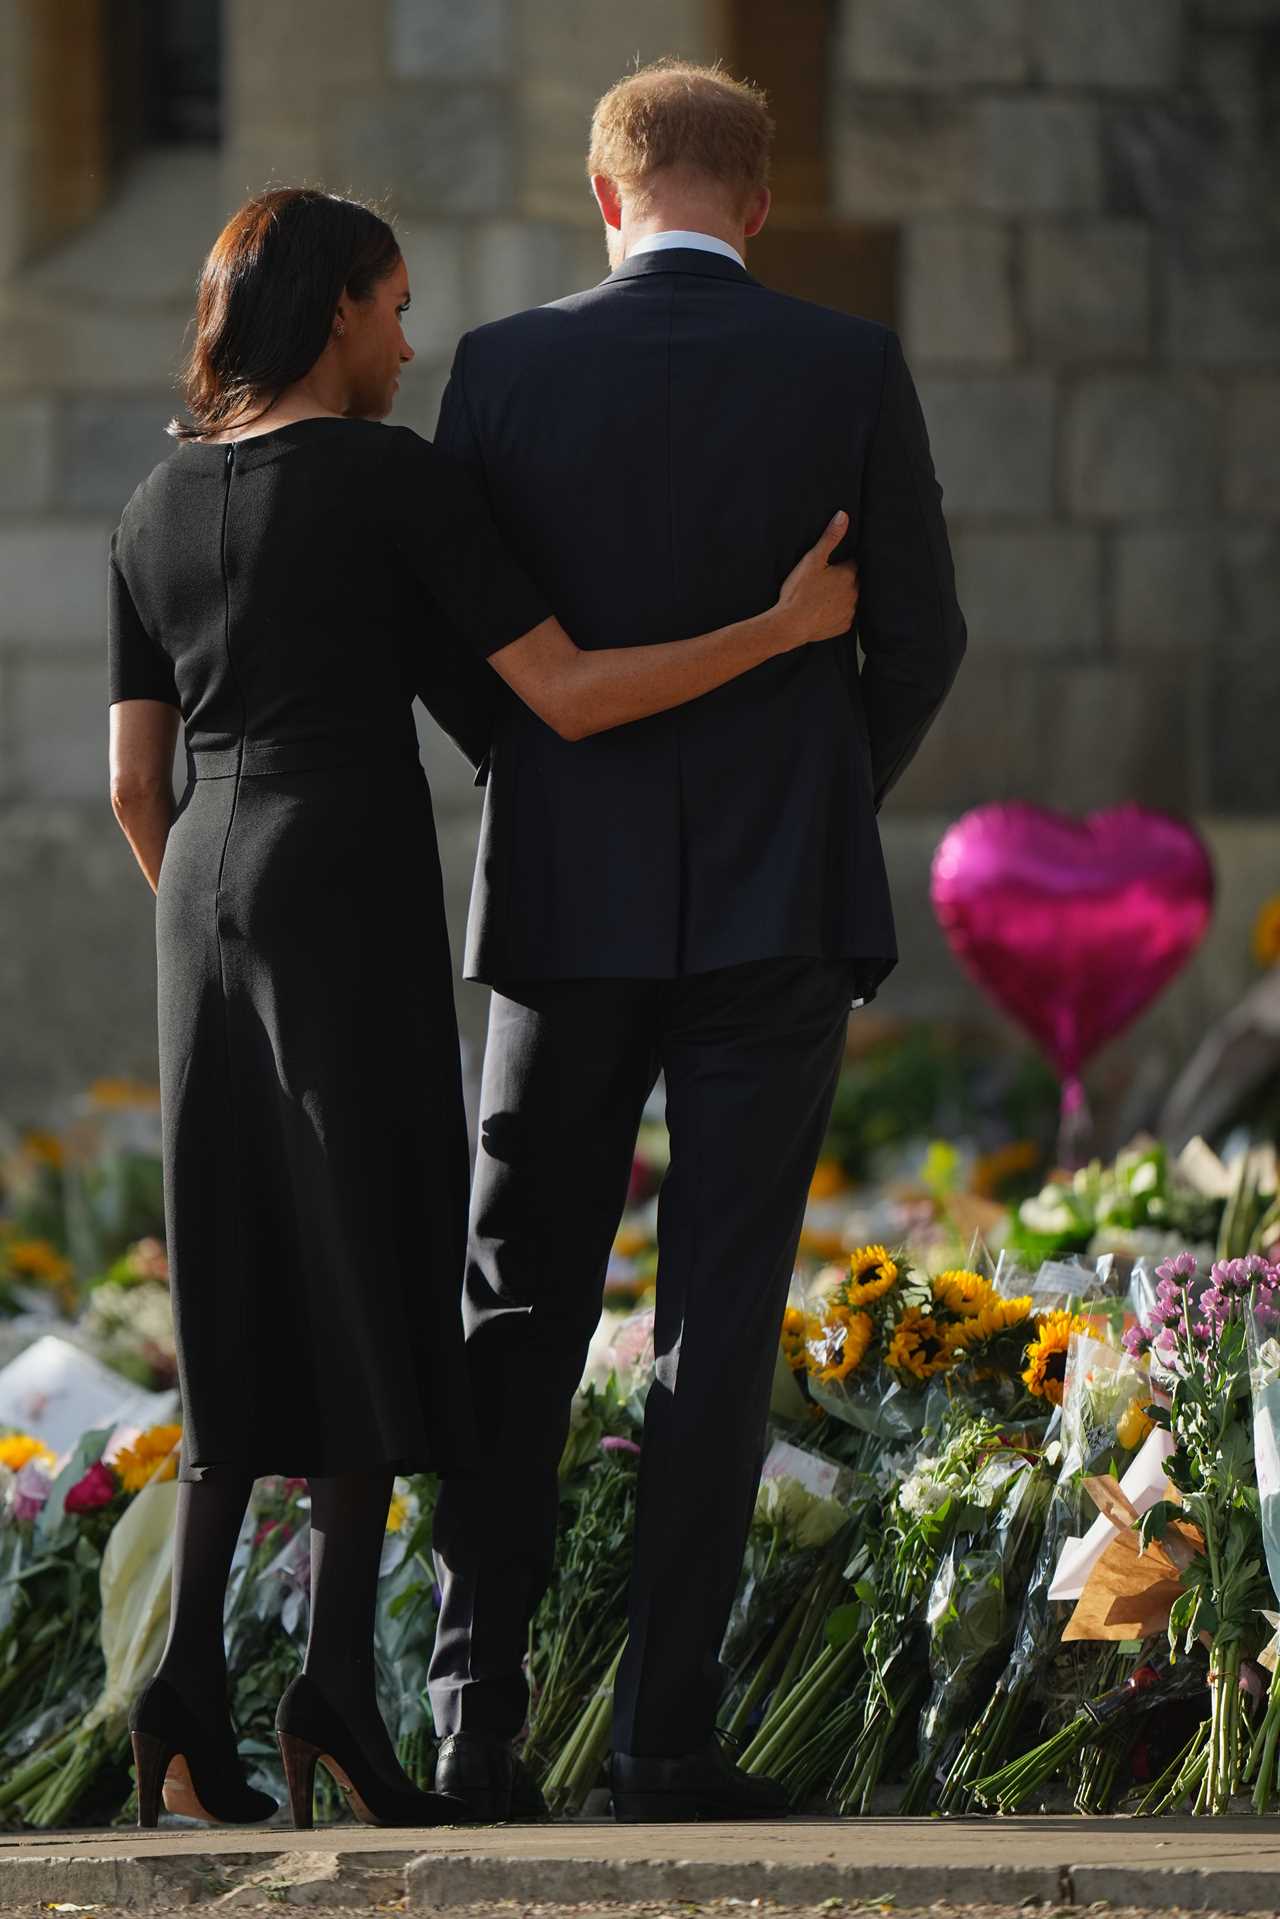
(608, 199)
(757, 212)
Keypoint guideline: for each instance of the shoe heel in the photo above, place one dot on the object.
(299, 1758)
(151, 1758)
(648, 1809)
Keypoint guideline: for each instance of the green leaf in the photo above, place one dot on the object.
(841, 1625)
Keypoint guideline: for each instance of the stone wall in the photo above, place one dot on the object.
(1083, 195)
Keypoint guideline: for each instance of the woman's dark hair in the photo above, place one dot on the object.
(267, 297)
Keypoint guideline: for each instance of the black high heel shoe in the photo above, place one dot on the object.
(192, 1770)
(311, 1733)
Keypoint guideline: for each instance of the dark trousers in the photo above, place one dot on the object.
(750, 1055)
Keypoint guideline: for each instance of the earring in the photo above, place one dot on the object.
(339, 328)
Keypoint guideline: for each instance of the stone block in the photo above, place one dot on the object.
(1223, 312)
(1237, 13)
(1140, 447)
(1243, 691)
(439, 38)
(992, 440)
(1105, 734)
(432, 149)
(1099, 43)
(1176, 163)
(1252, 482)
(418, 402)
(957, 278)
(55, 582)
(58, 739)
(26, 455)
(1038, 154)
(901, 154)
(1168, 592)
(980, 747)
(1036, 590)
(107, 447)
(917, 43)
(1087, 290)
(438, 312)
(75, 345)
(513, 264)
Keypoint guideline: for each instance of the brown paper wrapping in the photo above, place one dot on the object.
(1130, 1593)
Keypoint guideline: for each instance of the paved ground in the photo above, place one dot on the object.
(1058, 1864)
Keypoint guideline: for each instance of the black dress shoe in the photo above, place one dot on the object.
(310, 1733)
(186, 1766)
(481, 1770)
(698, 1785)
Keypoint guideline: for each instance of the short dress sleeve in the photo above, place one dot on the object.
(457, 555)
(138, 668)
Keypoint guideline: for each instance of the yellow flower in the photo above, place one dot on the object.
(796, 1328)
(397, 1512)
(1266, 932)
(19, 1449)
(152, 1456)
(995, 1317)
(1134, 1425)
(828, 1180)
(920, 1346)
(40, 1262)
(838, 1344)
(992, 1170)
(872, 1274)
(124, 1093)
(962, 1293)
(45, 1147)
(630, 1241)
(1046, 1370)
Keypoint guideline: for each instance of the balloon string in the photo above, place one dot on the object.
(1075, 1124)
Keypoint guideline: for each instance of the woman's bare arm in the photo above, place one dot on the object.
(143, 736)
(578, 692)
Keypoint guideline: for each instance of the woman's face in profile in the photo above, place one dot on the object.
(373, 347)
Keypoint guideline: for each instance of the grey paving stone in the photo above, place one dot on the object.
(957, 278)
(898, 154)
(427, 38)
(1252, 483)
(434, 149)
(1140, 447)
(1098, 43)
(992, 441)
(26, 454)
(1034, 590)
(1168, 589)
(1038, 153)
(922, 44)
(58, 728)
(1087, 290)
(107, 445)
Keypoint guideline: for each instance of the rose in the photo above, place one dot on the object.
(31, 1490)
(97, 1489)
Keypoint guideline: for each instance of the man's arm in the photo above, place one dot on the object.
(457, 688)
(910, 626)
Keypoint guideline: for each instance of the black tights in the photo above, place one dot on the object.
(348, 1523)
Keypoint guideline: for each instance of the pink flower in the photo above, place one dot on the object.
(614, 1443)
(97, 1489)
(31, 1490)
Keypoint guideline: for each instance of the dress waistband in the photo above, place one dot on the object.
(254, 758)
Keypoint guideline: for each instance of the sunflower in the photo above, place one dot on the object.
(38, 1260)
(397, 1512)
(964, 1294)
(1046, 1370)
(992, 1171)
(828, 1180)
(872, 1274)
(838, 1345)
(920, 1346)
(1266, 932)
(994, 1316)
(796, 1328)
(46, 1148)
(124, 1094)
(19, 1449)
(152, 1456)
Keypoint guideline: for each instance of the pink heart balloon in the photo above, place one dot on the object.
(1072, 926)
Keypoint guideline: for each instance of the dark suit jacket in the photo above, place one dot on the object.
(659, 452)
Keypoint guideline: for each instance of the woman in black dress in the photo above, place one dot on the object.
(283, 584)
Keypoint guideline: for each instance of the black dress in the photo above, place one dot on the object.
(290, 594)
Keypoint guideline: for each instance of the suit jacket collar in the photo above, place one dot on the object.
(712, 266)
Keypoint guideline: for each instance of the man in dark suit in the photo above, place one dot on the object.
(699, 895)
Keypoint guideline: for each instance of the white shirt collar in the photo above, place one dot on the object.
(698, 242)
